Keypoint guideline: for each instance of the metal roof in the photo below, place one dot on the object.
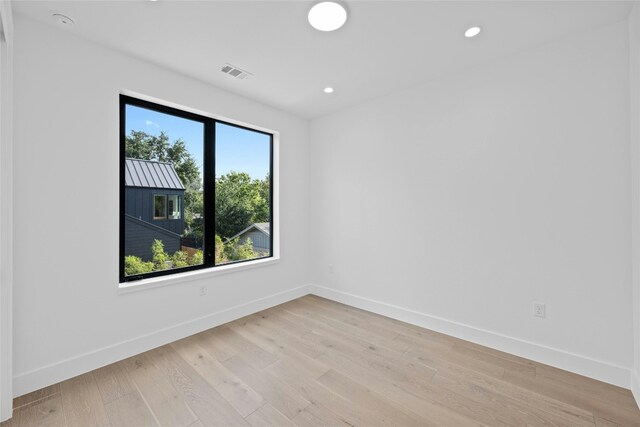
(265, 227)
(151, 174)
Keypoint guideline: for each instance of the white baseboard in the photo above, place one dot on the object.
(596, 369)
(69, 368)
(65, 369)
(635, 386)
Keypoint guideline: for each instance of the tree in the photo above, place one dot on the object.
(261, 202)
(160, 257)
(234, 251)
(141, 145)
(264, 187)
(240, 202)
(193, 211)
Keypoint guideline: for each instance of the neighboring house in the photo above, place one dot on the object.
(260, 235)
(154, 197)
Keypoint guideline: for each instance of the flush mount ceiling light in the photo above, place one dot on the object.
(472, 32)
(62, 19)
(328, 89)
(327, 16)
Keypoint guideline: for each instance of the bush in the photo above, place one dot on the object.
(180, 259)
(234, 251)
(196, 259)
(134, 265)
(160, 257)
(161, 260)
(219, 251)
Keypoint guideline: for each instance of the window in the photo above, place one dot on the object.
(195, 192)
(159, 206)
(174, 207)
(243, 170)
(166, 206)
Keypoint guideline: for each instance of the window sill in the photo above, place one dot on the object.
(179, 278)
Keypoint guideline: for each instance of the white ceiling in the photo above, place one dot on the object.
(385, 46)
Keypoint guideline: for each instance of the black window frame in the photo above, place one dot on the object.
(208, 184)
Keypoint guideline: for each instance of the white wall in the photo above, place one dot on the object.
(458, 203)
(634, 133)
(69, 315)
(6, 208)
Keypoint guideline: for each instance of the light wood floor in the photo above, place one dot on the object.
(313, 362)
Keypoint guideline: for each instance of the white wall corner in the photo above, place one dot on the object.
(635, 387)
(6, 209)
(582, 365)
(634, 139)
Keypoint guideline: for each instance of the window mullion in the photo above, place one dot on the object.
(209, 179)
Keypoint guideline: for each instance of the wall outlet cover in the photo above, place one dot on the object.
(539, 309)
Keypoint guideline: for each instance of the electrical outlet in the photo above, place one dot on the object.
(203, 291)
(331, 269)
(539, 310)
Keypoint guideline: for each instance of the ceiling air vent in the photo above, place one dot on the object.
(234, 71)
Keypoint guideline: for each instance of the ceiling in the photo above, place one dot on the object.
(385, 46)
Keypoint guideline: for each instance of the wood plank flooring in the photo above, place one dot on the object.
(314, 362)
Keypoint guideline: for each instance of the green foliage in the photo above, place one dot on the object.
(134, 265)
(161, 260)
(193, 211)
(234, 251)
(141, 145)
(224, 253)
(160, 257)
(240, 202)
(180, 259)
(220, 256)
(186, 167)
(261, 209)
(196, 259)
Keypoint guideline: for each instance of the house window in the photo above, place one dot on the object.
(174, 206)
(159, 206)
(195, 192)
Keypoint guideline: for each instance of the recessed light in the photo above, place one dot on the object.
(472, 32)
(62, 19)
(327, 16)
(328, 90)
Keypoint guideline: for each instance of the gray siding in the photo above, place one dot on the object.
(260, 240)
(139, 236)
(139, 204)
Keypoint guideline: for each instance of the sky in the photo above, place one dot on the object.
(237, 149)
